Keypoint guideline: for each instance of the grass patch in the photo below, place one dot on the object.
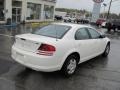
(40, 24)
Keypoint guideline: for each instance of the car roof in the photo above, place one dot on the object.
(73, 25)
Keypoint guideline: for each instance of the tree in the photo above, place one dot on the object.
(111, 15)
(70, 10)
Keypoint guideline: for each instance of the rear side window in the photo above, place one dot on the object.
(82, 34)
(55, 31)
(94, 34)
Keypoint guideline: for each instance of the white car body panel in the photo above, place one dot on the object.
(25, 52)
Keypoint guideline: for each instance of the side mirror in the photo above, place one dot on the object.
(102, 36)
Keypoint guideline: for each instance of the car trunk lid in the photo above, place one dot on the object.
(31, 42)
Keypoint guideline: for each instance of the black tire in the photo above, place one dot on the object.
(65, 21)
(107, 50)
(28, 69)
(65, 69)
(69, 20)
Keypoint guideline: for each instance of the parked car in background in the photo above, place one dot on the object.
(73, 19)
(100, 21)
(59, 46)
(86, 21)
(82, 21)
(58, 17)
(67, 19)
(115, 24)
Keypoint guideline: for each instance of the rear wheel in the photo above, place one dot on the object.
(70, 66)
(107, 50)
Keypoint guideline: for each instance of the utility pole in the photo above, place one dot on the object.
(104, 4)
(109, 10)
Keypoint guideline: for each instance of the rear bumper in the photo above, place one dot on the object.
(36, 62)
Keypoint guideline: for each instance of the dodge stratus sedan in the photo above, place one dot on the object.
(59, 47)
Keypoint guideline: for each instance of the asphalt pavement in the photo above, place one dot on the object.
(96, 74)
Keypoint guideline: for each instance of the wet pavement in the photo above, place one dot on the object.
(97, 74)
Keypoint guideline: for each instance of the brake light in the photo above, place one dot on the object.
(46, 50)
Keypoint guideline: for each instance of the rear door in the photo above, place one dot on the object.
(84, 44)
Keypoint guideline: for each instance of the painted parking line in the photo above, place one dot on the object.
(6, 35)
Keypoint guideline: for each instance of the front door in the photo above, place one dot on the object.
(16, 15)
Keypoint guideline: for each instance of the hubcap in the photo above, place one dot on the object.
(72, 66)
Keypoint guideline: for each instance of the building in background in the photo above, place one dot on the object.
(27, 10)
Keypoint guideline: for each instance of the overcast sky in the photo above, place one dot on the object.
(87, 4)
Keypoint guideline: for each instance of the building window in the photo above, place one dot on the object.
(16, 3)
(1, 10)
(48, 12)
(33, 11)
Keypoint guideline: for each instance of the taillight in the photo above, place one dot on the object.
(47, 50)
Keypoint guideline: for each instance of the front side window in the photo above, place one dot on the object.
(55, 31)
(82, 34)
(94, 34)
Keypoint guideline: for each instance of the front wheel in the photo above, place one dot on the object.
(70, 66)
(107, 50)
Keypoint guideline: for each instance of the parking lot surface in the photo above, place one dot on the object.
(96, 74)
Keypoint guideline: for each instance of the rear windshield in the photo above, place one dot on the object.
(55, 31)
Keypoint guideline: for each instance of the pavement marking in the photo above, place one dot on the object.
(7, 35)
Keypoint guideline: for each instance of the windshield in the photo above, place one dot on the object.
(55, 31)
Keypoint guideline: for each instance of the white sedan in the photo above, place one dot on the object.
(59, 46)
